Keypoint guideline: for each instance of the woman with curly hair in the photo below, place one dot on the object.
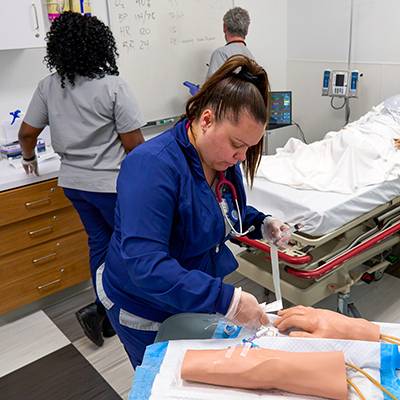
(94, 121)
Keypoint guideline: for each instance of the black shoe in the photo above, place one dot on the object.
(91, 322)
(108, 330)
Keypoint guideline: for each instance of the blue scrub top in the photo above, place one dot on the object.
(168, 254)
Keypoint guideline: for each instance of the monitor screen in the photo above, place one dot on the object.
(339, 81)
(281, 109)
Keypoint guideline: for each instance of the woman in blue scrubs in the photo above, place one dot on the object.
(168, 254)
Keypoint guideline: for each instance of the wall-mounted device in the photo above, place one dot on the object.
(326, 81)
(353, 89)
(340, 83)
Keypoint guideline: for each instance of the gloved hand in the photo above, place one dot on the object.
(246, 311)
(30, 165)
(193, 88)
(276, 232)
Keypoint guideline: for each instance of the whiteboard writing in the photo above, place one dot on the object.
(162, 43)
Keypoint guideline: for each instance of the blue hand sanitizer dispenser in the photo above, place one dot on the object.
(193, 88)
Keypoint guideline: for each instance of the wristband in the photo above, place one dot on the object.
(29, 159)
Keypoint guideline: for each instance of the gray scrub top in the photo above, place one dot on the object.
(220, 55)
(85, 121)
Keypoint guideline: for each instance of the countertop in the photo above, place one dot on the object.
(11, 177)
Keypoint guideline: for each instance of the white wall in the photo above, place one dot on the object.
(20, 70)
(314, 44)
(293, 40)
(267, 38)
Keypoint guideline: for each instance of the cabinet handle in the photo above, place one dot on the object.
(37, 203)
(36, 20)
(48, 285)
(44, 259)
(52, 283)
(41, 231)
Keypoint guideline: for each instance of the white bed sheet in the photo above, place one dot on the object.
(169, 385)
(319, 212)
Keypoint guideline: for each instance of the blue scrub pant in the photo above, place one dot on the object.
(96, 211)
(133, 340)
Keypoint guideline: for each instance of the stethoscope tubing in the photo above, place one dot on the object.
(222, 181)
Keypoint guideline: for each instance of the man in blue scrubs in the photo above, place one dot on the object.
(168, 254)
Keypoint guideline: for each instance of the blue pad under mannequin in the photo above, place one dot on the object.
(390, 364)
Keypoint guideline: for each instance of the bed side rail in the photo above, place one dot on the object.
(339, 260)
(295, 260)
(378, 213)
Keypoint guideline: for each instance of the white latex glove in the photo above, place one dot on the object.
(276, 232)
(246, 311)
(31, 166)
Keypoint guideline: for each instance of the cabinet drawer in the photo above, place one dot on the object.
(43, 284)
(44, 257)
(29, 201)
(43, 228)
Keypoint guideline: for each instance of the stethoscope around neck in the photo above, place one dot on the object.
(222, 181)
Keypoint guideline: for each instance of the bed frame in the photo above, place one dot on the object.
(312, 268)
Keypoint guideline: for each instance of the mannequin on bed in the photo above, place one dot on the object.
(360, 154)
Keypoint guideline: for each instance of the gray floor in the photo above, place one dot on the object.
(35, 332)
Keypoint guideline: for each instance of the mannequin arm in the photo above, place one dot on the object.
(319, 323)
(314, 373)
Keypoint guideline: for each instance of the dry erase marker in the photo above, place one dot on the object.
(165, 121)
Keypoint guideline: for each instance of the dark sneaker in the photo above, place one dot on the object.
(91, 322)
(108, 330)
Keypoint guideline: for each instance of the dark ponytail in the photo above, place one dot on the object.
(239, 85)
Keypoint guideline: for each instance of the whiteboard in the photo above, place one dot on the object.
(162, 43)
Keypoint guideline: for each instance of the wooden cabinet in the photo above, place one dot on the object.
(43, 247)
(22, 24)
(30, 201)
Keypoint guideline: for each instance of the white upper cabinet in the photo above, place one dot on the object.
(21, 24)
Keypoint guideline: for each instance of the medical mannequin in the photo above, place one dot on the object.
(312, 373)
(318, 323)
(362, 153)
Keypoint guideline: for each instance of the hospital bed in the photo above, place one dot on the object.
(346, 239)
